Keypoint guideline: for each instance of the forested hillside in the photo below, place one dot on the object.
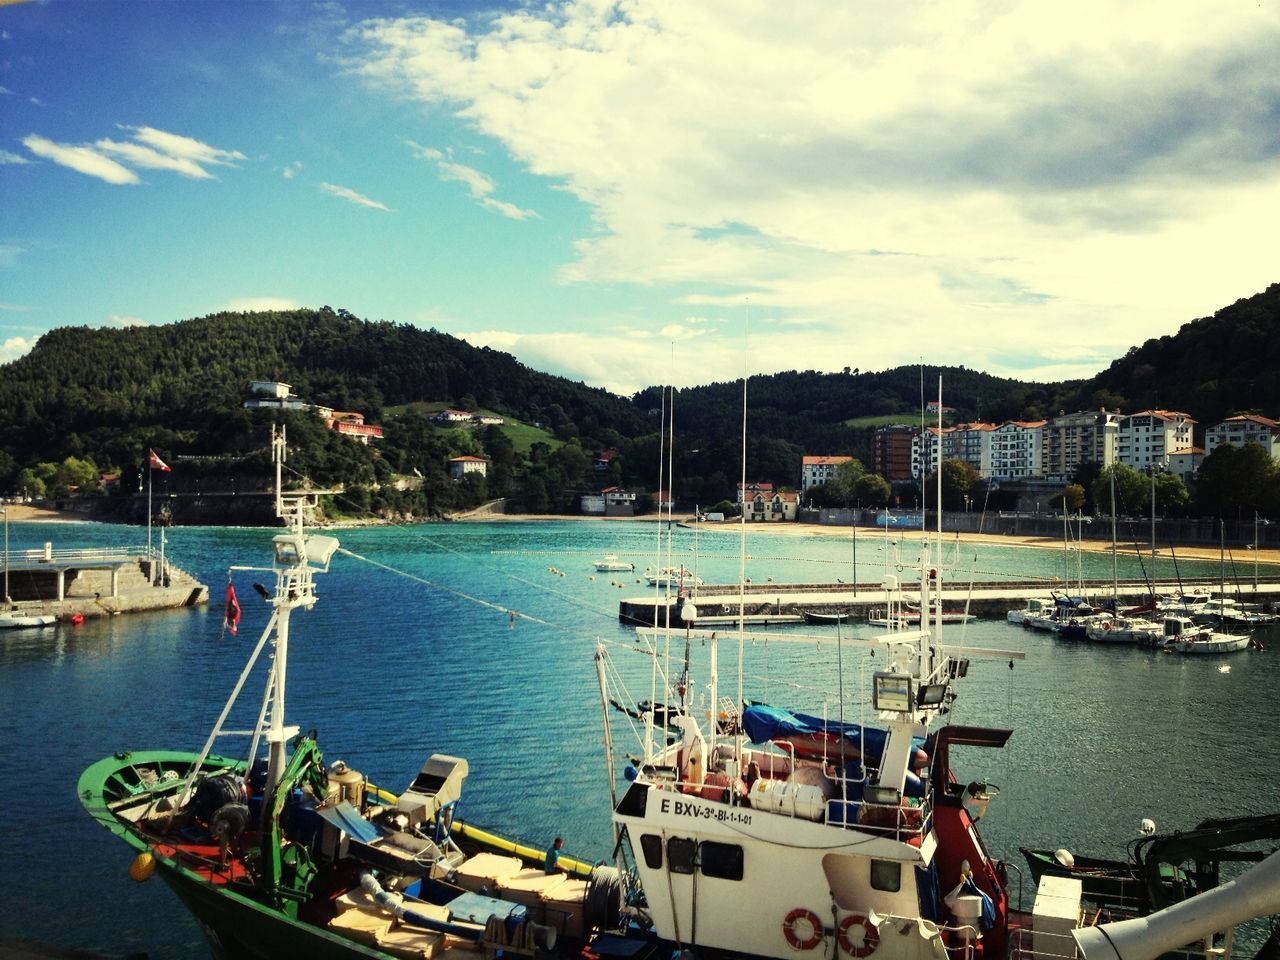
(87, 401)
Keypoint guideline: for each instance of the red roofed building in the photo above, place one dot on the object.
(817, 470)
(459, 467)
(1242, 429)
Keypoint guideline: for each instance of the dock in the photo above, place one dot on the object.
(760, 604)
(97, 583)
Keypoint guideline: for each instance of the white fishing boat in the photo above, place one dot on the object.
(610, 563)
(1122, 629)
(1184, 635)
(1034, 607)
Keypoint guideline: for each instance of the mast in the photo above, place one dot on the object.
(1115, 576)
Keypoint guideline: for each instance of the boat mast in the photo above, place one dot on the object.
(1115, 575)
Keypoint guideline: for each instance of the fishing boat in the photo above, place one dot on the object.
(610, 563)
(14, 621)
(1035, 607)
(1184, 635)
(1124, 629)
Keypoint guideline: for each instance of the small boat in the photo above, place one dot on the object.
(1227, 612)
(1036, 607)
(1184, 635)
(671, 577)
(911, 618)
(610, 563)
(12, 621)
(1123, 629)
(814, 616)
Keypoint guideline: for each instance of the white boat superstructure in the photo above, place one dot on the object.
(1184, 635)
(1035, 607)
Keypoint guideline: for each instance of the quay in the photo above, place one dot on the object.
(786, 603)
(95, 583)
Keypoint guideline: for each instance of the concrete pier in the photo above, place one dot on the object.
(96, 583)
(782, 603)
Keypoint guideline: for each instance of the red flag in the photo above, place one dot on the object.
(232, 618)
(158, 464)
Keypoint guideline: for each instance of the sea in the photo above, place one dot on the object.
(479, 640)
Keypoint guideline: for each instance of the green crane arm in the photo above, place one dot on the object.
(1212, 842)
(287, 868)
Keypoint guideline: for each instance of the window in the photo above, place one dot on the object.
(651, 845)
(680, 854)
(723, 860)
(886, 875)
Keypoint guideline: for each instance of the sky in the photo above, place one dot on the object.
(643, 192)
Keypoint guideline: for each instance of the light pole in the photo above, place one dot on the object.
(9, 603)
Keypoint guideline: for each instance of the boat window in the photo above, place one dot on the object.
(680, 854)
(651, 844)
(634, 800)
(886, 875)
(723, 860)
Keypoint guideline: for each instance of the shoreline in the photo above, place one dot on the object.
(25, 513)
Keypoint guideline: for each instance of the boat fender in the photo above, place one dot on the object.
(870, 936)
(804, 921)
(142, 867)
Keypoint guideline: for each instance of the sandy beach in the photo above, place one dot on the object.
(18, 512)
(1198, 552)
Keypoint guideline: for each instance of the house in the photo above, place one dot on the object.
(664, 500)
(772, 507)
(752, 489)
(351, 424)
(270, 389)
(619, 502)
(452, 416)
(1147, 438)
(459, 467)
(592, 503)
(489, 420)
(273, 395)
(933, 406)
(1242, 429)
(602, 463)
(817, 470)
(1185, 463)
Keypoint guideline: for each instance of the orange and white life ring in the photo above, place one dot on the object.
(870, 936)
(1107, 626)
(793, 926)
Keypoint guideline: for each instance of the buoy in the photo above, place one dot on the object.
(77, 619)
(143, 866)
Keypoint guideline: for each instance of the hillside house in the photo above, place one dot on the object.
(459, 467)
(1246, 428)
(351, 424)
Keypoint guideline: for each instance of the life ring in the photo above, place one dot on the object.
(1107, 626)
(793, 937)
(870, 936)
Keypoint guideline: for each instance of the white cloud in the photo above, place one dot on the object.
(346, 193)
(124, 320)
(292, 170)
(82, 159)
(255, 304)
(478, 184)
(139, 156)
(184, 148)
(955, 180)
(15, 347)
(154, 150)
(7, 157)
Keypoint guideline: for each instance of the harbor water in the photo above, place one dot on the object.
(412, 650)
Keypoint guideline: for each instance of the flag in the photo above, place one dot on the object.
(232, 619)
(158, 464)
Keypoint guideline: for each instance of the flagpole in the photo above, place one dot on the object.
(151, 563)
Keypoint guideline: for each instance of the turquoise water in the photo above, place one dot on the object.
(390, 669)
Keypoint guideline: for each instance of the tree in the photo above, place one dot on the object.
(872, 490)
(1069, 499)
(959, 480)
(1132, 491)
(1235, 481)
(842, 487)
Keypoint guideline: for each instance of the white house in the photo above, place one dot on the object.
(1185, 463)
(1246, 428)
(817, 470)
(459, 467)
(772, 507)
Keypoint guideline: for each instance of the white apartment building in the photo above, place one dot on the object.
(1246, 428)
(1147, 439)
(1016, 449)
(817, 470)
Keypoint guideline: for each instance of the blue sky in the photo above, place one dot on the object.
(648, 192)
